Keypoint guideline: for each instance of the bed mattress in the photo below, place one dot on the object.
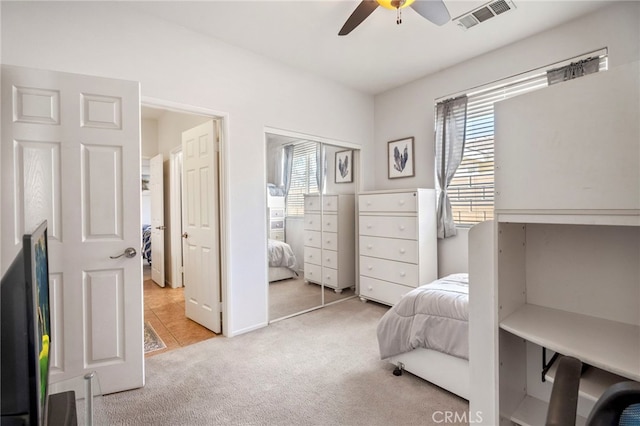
(433, 316)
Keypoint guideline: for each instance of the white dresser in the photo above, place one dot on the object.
(329, 240)
(398, 245)
(275, 207)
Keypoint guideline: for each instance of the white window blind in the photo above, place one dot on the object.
(472, 188)
(303, 177)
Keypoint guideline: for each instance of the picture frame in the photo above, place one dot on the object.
(344, 166)
(401, 161)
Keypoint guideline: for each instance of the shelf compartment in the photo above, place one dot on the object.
(533, 412)
(609, 345)
(593, 382)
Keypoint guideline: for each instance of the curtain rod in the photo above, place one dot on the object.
(599, 52)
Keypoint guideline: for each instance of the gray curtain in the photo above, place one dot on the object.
(287, 167)
(573, 70)
(451, 119)
(321, 168)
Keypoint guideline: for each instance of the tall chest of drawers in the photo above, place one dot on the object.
(329, 240)
(397, 243)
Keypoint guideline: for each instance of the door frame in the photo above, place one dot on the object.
(175, 182)
(223, 125)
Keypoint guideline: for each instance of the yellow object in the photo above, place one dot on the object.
(394, 4)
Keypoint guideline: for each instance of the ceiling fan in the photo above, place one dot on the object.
(433, 10)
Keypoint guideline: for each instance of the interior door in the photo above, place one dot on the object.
(71, 155)
(200, 225)
(156, 184)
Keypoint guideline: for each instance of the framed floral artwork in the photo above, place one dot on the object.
(344, 166)
(400, 158)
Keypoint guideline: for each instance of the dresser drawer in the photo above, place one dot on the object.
(312, 222)
(312, 272)
(277, 224)
(330, 203)
(389, 248)
(277, 235)
(404, 227)
(330, 222)
(382, 291)
(330, 240)
(329, 258)
(312, 203)
(395, 202)
(313, 239)
(313, 255)
(276, 213)
(389, 270)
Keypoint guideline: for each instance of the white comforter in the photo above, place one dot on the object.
(433, 316)
(280, 254)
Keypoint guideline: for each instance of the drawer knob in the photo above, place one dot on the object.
(401, 227)
(370, 288)
(369, 226)
(369, 203)
(402, 274)
(369, 246)
(328, 241)
(328, 223)
(402, 251)
(401, 202)
(369, 267)
(328, 260)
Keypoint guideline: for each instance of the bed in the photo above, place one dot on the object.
(427, 333)
(282, 261)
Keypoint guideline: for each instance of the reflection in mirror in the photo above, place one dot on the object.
(292, 172)
(311, 190)
(338, 223)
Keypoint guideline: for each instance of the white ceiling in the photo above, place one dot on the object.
(378, 55)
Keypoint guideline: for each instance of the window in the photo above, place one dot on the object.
(472, 187)
(303, 177)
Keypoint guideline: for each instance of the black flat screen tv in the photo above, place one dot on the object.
(25, 331)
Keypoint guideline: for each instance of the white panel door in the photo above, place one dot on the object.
(71, 155)
(200, 225)
(156, 183)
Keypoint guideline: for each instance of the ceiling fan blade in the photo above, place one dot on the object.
(364, 9)
(433, 10)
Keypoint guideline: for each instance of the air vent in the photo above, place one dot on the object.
(484, 13)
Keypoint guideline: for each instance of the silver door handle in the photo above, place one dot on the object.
(185, 235)
(128, 252)
(161, 227)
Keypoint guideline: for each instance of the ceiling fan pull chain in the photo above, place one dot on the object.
(399, 16)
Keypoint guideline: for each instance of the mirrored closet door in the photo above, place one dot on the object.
(311, 189)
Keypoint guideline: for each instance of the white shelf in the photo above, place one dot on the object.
(533, 412)
(609, 345)
(593, 382)
(571, 217)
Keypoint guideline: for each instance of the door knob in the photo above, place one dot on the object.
(185, 235)
(161, 227)
(128, 252)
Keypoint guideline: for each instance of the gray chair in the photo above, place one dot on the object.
(618, 406)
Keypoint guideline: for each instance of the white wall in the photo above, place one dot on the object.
(111, 39)
(615, 26)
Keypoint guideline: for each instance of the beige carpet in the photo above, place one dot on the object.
(321, 368)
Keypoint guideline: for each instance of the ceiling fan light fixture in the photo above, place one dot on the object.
(395, 4)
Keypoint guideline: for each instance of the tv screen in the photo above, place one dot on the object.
(25, 332)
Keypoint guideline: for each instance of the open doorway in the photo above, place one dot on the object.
(166, 324)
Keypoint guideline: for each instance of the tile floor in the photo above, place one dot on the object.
(164, 310)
